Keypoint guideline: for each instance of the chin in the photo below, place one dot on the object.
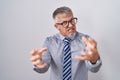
(70, 34)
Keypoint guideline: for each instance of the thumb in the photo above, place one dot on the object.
(43, 65)
(42, 50)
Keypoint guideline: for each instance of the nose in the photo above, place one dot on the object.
(70, 24)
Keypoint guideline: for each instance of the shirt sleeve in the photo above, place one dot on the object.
(94, 67)
(41, 70)
(46, 58)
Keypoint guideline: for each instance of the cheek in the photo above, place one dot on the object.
(58, 28)
(62, 30)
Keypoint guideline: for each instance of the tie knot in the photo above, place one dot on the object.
(67, 40)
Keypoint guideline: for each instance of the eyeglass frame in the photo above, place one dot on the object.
(66, 23)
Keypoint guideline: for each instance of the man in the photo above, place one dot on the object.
(70, 54)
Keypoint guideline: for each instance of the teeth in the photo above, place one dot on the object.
(70, 30)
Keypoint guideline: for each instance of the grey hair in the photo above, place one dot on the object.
(61, 10)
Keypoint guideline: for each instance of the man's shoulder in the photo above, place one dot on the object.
(80, 35)
(52, 37)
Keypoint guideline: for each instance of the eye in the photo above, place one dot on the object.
(65, 23)
(74, 21)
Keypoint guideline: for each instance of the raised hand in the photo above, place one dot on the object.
(36, 57)
(91, 52)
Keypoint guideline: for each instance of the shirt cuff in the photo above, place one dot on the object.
(40, 70)
(96, 64)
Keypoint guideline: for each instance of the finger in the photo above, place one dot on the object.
(88, 48)
(92, 42)
(84, 39)
(33, 52)
(83, 53)
(88, 52)
(81, 57)
(37, 62)
(42, 50)
(34, 58)
(42, 65)
(91, 50)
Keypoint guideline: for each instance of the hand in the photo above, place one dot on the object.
(36, 57)
(91, 52)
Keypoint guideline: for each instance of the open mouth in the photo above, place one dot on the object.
(71, 30)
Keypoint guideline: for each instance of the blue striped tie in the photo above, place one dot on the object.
(67, 75)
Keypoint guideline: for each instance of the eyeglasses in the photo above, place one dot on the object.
(65, 24)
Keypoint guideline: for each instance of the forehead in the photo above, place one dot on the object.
(63, 17)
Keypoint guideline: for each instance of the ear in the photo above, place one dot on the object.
(56, 26)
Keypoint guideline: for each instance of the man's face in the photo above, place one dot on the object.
(66, 24)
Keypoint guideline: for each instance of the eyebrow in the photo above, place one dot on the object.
(65, 21)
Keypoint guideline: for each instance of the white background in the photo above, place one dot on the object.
(24, 24)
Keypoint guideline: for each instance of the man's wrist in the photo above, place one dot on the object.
(94, 61)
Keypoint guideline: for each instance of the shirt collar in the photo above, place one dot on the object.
(71, 37)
